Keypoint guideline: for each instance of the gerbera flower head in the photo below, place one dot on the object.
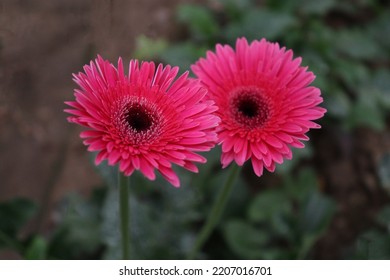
(265, 100)
(145, 120)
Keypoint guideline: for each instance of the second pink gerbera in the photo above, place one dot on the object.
(265, 102)
(145, 120)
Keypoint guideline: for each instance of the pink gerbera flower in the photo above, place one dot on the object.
(265, 102)
(145, 120)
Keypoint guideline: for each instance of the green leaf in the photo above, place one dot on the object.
(365, 113)
(374, 245)
(200, 21)
(338, 104)
(353, 73)
(314, 219)
(316, 63)
(303, 7)
(268, 204)
(281, 227)
(78, 235)
(182, 55)
(379, 87)
(299, 187)
(260, 23)
(306, 244)
(148, 48)
(237, 4)
(379, 28)
(14, 214)
(37, 249)
(316, 214)
(236, 8)
(244, 239)
(356, 44)
(310, 7)
(282, 5)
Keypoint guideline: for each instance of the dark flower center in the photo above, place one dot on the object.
(138, 118)
(249, 108)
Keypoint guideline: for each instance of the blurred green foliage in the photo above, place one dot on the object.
(345, 43)
(283, 222)
(375, 243)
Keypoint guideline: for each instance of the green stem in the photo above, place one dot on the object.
(216, 212)
(123, 183)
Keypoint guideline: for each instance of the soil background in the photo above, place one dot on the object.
(41, 156)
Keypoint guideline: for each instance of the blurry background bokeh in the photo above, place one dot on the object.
(330, 202)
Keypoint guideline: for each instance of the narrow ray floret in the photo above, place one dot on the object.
(145, 120)
(265, 100)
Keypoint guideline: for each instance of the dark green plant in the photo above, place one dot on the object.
(374, 244)
(283, 222)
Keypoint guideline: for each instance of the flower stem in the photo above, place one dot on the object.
(216, 212)
(123, 184)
